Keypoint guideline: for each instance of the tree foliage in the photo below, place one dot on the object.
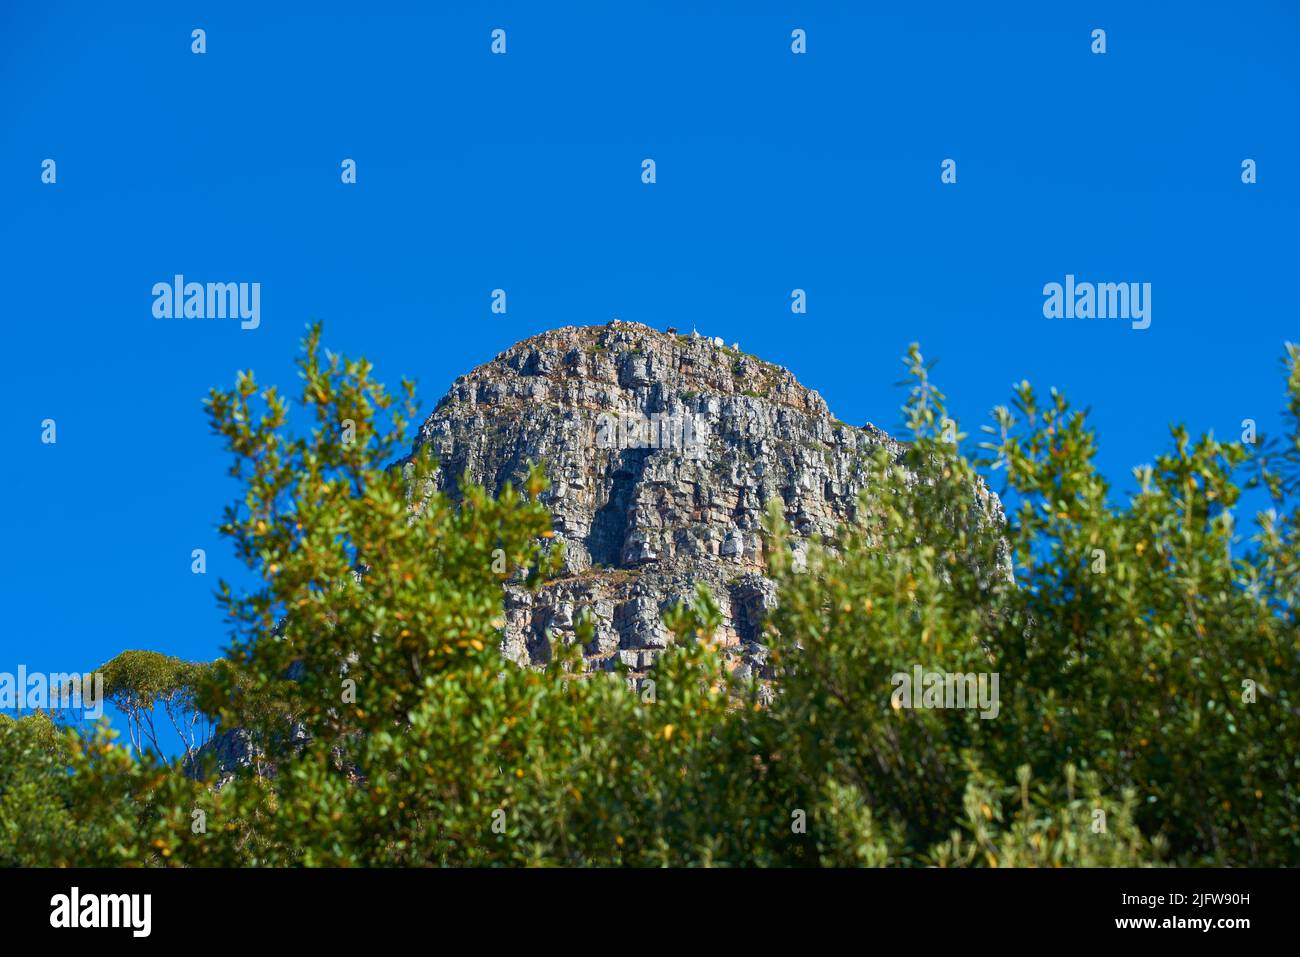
(1147, 665)
(140, 682)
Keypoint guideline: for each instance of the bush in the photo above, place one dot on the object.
(1137, 643)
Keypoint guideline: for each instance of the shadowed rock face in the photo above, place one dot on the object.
(644, 517)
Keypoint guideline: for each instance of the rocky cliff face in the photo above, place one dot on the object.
(663, 451)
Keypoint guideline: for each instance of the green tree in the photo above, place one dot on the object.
(69, 798)
(1139, 643)
(139, 682)
(400, 736)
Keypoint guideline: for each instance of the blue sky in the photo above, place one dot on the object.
(522, 172)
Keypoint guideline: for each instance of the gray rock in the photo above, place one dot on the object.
(643, 525)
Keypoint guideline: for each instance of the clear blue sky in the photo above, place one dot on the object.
(522, 171)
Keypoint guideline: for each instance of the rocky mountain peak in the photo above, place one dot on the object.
(663, 452)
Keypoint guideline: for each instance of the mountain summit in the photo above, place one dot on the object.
(663, 452)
